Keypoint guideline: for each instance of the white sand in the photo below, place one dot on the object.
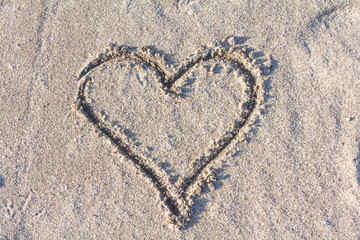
(294, 176)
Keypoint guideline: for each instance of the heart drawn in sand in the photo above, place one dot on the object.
(133, 98)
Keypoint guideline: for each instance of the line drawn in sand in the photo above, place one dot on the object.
(178, 200)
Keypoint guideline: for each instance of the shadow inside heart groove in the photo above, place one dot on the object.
(173, 125)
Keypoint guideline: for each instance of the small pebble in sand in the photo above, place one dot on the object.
(327, 223)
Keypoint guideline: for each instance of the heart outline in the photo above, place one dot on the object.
(178, 200)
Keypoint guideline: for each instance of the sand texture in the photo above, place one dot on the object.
(180, 119)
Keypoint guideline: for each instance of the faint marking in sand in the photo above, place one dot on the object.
(178, 200)
(10, 209)
(26, 203)
(333, 22)
(357, 162)
(2, 181)
(320, 17)
(16, 213)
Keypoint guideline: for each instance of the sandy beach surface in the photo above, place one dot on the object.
(180, 119)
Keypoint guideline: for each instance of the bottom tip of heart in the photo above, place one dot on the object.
(177, 222)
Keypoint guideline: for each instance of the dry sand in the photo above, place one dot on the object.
(180, 119)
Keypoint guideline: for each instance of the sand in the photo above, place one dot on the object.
(180, 120)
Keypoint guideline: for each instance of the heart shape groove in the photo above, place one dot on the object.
(177, 198)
